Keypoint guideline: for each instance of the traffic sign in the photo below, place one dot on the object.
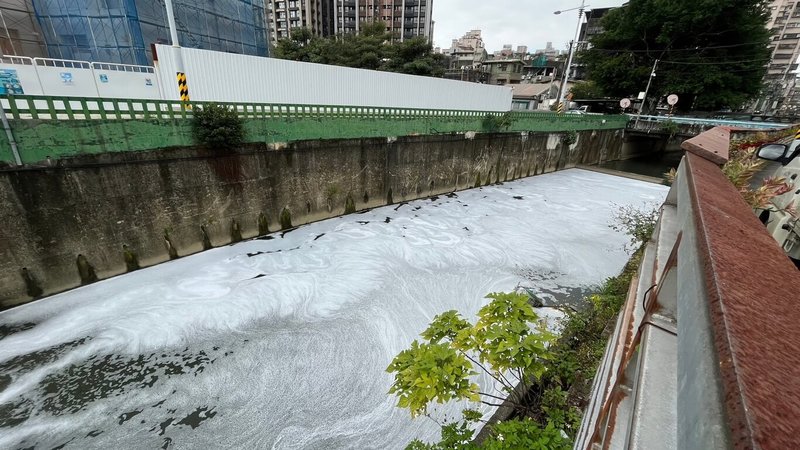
(625, 103)
(672, 100)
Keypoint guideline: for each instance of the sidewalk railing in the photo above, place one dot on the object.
(83, 108)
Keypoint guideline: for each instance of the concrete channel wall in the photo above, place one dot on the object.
(96, 216)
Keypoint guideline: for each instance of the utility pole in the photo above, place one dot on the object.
(183, 87)
(573, 47)
(646, 90)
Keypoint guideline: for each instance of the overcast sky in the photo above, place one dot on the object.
(516, 22)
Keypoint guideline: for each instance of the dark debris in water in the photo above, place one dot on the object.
(9, 329)
(267, 252)
(58, 447)
(400, 205)
(363, 222)
(319, 236)
(197, 417)
(288, 231)
(268, 237)
(15, 412)
(73, 388)
(126, 416)
(451, 195)
(193, 420)
(517, 197)
(387, 220)
(25, 363)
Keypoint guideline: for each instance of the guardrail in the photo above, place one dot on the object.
(74, 108)
(727, 374)
(48, 127)
(83, 108)
(647, 121)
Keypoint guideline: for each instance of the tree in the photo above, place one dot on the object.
(586, 90)
(218, 126)
(509, 343)
(712, 53)
(371, 48)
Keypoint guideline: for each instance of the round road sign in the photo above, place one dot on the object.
(625, 103)
(672, 100)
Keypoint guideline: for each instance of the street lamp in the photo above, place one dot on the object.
(571, 47)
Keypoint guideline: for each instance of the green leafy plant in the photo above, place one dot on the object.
(494, 123)
(670, 128)
(639, 224)
(548, 412)
(218, 127)
(569, 137)
(508, 340)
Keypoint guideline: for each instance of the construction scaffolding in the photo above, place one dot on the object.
(19, 31)
(121, 31)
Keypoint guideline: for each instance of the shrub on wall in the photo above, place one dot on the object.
(218, 127)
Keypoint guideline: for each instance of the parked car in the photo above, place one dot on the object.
(784, 227)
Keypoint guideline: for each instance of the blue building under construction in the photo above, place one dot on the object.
(121, 31)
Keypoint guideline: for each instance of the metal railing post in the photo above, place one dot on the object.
(12, 142)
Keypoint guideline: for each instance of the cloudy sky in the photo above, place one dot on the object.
(516, 22)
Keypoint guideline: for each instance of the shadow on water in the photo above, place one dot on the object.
(545, 291)
(655, 165)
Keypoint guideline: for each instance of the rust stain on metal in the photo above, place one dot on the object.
(712, 145)
(754, 306)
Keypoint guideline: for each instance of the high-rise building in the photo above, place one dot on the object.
(121, 31)
(781, 78)
(283, 16)
(404, 19)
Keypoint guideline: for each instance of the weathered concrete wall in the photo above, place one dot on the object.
(99, 210)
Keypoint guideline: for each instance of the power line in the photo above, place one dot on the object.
(715, 63)
(678, 49)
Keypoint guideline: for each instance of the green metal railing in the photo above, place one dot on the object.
(55, 127)
(82, 108)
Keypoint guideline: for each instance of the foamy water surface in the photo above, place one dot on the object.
(283, 342)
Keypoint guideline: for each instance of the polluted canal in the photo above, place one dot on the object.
(283, 342)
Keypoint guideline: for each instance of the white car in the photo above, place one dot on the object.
(779, 222)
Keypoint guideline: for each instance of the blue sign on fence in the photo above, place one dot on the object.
(103, 78)
(66, 77)
(9, 82)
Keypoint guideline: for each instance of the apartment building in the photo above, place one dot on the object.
(780, 82)
(285, 15)
(404, 19)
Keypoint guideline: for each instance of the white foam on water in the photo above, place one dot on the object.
(301, 333)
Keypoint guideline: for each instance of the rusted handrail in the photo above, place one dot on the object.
(753, 293)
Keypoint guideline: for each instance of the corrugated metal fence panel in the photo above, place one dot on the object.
(217, 76)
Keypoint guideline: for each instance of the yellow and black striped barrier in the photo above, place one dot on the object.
(560, 109)
(183, 88)
(797, 134)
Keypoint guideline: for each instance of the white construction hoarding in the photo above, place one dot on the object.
(218, 76)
